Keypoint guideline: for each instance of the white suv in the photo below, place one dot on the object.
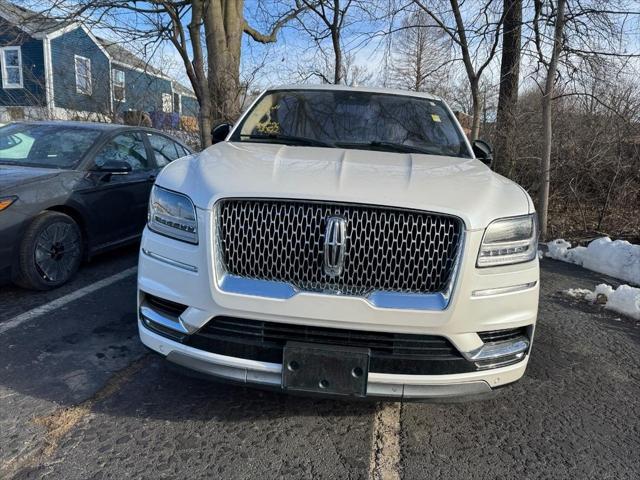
(345, 241)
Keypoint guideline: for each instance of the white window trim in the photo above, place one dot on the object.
(123, 86)
(5, 76)
(170, 104)
(78, 90)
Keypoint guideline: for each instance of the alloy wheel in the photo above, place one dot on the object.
(57, 251)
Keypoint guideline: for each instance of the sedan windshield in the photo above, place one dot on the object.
(44, 145)
(353, 119)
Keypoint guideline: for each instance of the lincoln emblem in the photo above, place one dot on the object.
(335, 245)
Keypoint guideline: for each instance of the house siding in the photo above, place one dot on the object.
(190, 106)
(63, 51)
(143, 91)
(33, 93)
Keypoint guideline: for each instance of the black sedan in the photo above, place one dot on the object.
(69, 190)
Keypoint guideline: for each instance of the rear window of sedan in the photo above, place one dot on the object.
(49, 146)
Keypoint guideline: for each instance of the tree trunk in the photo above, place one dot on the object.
(205, 123)
(337, 51)
(474, 84)
(223, 26)
(504, 157)
(197, 73)
(547, 98)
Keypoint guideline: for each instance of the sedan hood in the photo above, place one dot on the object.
(459, 186)
(14, 176)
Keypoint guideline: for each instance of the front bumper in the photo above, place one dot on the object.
(378, 384)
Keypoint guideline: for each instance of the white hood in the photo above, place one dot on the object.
(459, 186)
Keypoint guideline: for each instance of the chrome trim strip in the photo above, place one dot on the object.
(453, 282)
(237, 373)
(169, 261)
(408, 301)
(154, 316)
(498, 291)
(256, 288)
(497, 350)
(248, 374)
(501, 362)
(284, 291)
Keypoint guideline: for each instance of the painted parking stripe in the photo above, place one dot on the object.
(59, 302)
(385, 449)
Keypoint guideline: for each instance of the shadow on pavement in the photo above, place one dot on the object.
(67, 356)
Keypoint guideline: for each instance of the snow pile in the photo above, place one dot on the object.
(558, 249)
(624, 299)
(619, 259)
(578, 292)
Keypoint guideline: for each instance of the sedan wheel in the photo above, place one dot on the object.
(57, 251)
(50, 253)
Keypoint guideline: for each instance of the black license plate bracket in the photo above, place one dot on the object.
(326, 369)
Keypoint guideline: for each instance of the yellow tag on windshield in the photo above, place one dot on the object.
(435, 118)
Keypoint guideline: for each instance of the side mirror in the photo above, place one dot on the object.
(219, 132)
(483, 151)
(115, 166)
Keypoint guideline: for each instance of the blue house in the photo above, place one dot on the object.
(53, 69)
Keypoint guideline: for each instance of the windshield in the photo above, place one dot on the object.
(352, 119)
(49, 146)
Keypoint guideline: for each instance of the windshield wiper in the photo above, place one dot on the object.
(288, 139)
(397, 147)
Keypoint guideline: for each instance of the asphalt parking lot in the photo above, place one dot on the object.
(80, 398)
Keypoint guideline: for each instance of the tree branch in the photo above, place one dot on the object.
(271, 37)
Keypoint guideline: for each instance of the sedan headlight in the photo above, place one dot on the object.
(173, 214)
(509, 240)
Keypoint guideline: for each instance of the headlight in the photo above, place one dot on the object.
(173, 214)
(509, 240)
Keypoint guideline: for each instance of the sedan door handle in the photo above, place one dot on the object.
(152, 177)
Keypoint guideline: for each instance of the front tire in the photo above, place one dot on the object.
(50, 252)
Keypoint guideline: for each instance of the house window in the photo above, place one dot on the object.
(118, 86)
(167, 103)
(11, 67)
(83, 75)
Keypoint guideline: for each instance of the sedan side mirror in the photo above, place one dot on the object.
(483, 151)
(115, 166)
(220, 132)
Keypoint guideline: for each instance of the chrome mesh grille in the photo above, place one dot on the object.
(391, 250)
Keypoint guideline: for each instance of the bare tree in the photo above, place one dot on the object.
(509, 83)
(477, 37)
(322, 67)
(547, 97)
(420, 54)
(327, 23)
(570, 37)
